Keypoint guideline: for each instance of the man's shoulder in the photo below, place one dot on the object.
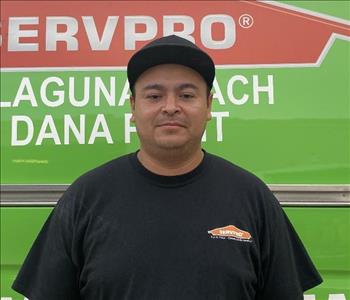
(109, 169)
(102, 177)
(232, 171)
(241, 183)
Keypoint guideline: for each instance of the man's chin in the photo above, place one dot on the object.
(171, 144)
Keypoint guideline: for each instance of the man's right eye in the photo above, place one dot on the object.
(153, 97)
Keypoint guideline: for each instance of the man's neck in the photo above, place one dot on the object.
(171, 162)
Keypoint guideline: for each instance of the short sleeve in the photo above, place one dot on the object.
(48, 271)
(286, 269)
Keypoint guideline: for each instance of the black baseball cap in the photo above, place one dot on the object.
(171, 49)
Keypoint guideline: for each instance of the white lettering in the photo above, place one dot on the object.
(86, 93)
(5, 104)
(231, 232)
(229, 29)
(217, 92)
(58, 94)
(53, 35)
(204, 136)
(336, 297)
(48, 124)
(218, 116)
(330, 297)
(257, 89)
(96, 43)
(69, 125)
(15, 33)
(125, 94)
(128, 128)
(230, 94)
(100, 87)
(64, 29)
(95, 133)
(131, 36)
(10, 298)
(14, 130)
(187, 23)
(29, 96)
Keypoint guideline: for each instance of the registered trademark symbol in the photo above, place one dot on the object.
(246, 21)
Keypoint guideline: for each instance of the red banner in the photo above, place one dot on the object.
(106, 34)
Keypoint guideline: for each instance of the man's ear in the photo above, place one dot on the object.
(132, 106)
(209, 104)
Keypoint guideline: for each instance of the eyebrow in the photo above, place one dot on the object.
(156, 86)
(187, 85)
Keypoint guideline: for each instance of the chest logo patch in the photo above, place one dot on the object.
(230, 232)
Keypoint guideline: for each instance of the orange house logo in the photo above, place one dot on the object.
(230, 232)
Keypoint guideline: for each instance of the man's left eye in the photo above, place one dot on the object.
(186, 96)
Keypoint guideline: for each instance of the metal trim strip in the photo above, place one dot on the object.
(287, 194)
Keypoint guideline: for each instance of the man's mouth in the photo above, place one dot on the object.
(171, 124)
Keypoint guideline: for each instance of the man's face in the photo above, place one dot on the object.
(170, 107)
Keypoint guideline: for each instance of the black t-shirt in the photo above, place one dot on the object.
(122, 232)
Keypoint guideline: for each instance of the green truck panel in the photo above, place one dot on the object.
(324, 233)
(285, 138)
(297, 133)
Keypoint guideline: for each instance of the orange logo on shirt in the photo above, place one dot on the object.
(230, 232)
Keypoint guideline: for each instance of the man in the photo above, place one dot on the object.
(169, 221)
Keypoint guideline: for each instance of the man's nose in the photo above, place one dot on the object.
(170, 105)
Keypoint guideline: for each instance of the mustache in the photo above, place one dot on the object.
(171, 121)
